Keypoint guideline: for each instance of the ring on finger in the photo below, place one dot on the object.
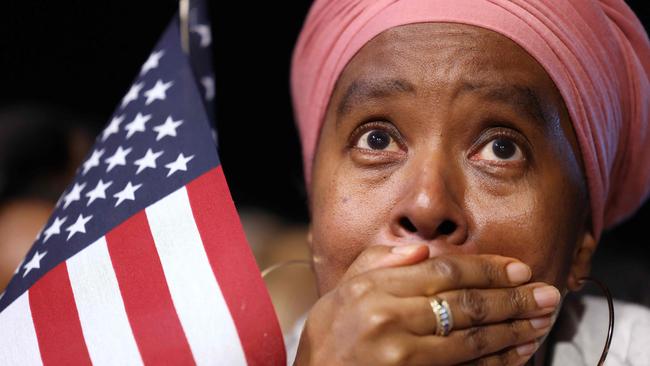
(442, 312)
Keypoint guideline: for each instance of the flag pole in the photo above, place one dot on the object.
(184, 11)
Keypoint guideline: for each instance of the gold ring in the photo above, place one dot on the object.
(444, 320)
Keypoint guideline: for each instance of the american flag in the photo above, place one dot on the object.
(144, 260)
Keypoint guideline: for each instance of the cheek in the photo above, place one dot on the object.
(532, 222)
(350, 211)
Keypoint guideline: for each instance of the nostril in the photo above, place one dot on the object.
(446, 227)
(408, 225)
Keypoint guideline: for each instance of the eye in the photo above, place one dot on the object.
(501, 149)
(377, 140)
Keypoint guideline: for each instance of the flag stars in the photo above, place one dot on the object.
(119, 158)
(152, 62)
(34, 263)
(113, 127)
(168, 128)
(73, 195)
(159, 91)
(54, 229)
(98, 192)
(128, 193)
(93, 161)
(208, 85)
(132, 94)
(179, 164)
(147, 161)
(203, 30)
(137, 125)
(79, 226)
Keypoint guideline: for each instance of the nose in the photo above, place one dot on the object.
(430, 210)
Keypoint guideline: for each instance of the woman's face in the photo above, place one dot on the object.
(451, 136)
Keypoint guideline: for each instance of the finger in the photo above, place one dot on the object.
(452, 272)
(515, 356)
(381, 256)
(473, 307)
(469, 344)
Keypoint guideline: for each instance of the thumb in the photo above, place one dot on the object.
(382, 256)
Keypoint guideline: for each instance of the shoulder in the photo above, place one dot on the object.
(582, 330)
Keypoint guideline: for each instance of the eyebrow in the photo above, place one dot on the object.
(522, 98)
(367, 89)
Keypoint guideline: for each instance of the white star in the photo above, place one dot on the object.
(113, 127)
(147, 161)
(73, 195)
(133, 93)
(92, 161)
(204, 32)
(119, 158)
(98, 192)
(55, 228)
(208, 85)
(168, 128)
(127, 193)
(79, 226)
(152, 61)
(159, 91)
(34, 263)
(137, 125)
(179, 164)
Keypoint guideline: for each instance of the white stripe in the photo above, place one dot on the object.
(102, 315)
(18, 342)
(195, 292)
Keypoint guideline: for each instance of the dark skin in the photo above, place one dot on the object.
(447, 166)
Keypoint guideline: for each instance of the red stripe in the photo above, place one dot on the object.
(235, 269)
(149, 307)
(56, 320)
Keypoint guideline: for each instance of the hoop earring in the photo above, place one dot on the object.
(272, 268)
(610, 305)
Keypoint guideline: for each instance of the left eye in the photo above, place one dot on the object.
(501, 149)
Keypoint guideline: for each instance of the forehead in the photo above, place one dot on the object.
(430, 55)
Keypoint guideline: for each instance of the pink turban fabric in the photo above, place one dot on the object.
(596, 52)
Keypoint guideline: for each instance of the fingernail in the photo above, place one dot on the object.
(527, 349)
(546, 296)
(542, 322)
(518, 272)
(405, 250)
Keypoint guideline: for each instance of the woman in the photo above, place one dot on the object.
(463, 157)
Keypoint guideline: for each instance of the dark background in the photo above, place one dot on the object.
(83, 55)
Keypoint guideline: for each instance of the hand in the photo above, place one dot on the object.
(380, 314)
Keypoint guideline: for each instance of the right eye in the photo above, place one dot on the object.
(377, 139)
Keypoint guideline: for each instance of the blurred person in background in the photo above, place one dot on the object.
(41, 147)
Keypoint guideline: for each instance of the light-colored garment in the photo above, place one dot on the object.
(596, 51)
(579, 333)
(582, 329)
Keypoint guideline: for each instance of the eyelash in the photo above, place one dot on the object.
(489, 134)
(376, 125)
(500, 131)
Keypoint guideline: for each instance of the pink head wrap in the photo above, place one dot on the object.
(596, 52)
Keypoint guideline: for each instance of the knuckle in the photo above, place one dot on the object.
(357, 288)
(377, 320)
(516, 331)
(476, 339)
(472, 303)
(445, 267)
(517, 302)
(394, 353)
(493, 274)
